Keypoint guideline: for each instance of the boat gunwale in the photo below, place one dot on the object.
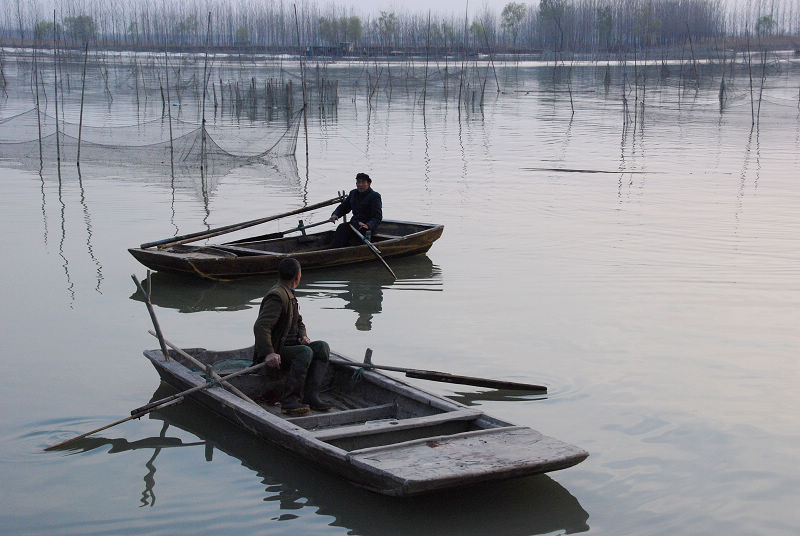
(228, 265)
(431, 227)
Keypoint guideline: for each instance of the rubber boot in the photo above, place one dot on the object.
(314, 378)
(292, 391)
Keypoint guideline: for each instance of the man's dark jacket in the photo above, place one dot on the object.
(277, 316)
(367, 208)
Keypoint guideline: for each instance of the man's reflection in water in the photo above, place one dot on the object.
(366, 299)
(361, 286)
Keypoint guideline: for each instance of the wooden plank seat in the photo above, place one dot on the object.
(348, 416)
(395, 425)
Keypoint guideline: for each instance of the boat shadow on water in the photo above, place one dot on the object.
(530, 505)
(360, 287)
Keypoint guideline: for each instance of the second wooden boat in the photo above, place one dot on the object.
(260, 256)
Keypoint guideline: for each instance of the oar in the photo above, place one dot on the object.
(193, 237)
(443, 376)
(160, 404)
(208, 368)
(164, 343)
(372, 248)
(126, 419)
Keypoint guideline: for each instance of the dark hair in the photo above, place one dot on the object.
(363, 177)
(288, 269)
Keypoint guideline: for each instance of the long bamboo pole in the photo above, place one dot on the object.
(55, 83)
(205, 86)
(152, 312)
(209, 370)
(83, 90)
(193, 237)
(169, 116)
(302, 81)
(440, 376)
(160, 404)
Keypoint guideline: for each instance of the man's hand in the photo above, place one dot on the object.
(363, 225)
(333, 218)
(304, 340)
(273, 360)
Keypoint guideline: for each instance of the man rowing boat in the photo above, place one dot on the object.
(367, 208)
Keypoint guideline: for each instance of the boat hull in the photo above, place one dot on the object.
(252, 257)
(383, 434)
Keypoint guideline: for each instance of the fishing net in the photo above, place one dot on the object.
(34, 135)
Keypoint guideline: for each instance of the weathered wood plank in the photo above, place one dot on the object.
(394, 425)
(338, 418)
(426, 464)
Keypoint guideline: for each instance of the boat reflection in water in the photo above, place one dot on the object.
(359, 286)
(531, 505)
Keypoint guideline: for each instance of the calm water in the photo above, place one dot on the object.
(656, 291)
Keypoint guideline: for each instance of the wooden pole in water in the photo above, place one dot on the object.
(83, 90)
(427, 55)
(38, 113)
(302, 80)
(205, 85)
(169, 115)
(55, 83)
(146, 295)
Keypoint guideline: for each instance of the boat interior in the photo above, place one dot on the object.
(366, 411)
(298, 243)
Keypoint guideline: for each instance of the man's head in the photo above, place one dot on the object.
(363, 182)
(289, 271)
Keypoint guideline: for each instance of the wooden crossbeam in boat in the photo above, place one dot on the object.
(349, 416)
(330, 434)
(429, 440)
(240, 250)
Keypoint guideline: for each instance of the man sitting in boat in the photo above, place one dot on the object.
(367, 210)
(282, 341)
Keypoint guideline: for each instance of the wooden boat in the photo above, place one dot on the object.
(260, 255)
(382, 433)
(536, 505)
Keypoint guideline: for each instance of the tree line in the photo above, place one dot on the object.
(278, 26)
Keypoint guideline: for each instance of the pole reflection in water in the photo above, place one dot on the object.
(533, 505)
(88, 221)
(360, 287)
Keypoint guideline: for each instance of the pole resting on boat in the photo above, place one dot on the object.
(200, 235)
(445, 377)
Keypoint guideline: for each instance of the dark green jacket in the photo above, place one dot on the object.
(275, 317)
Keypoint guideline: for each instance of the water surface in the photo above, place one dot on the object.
(645, 270)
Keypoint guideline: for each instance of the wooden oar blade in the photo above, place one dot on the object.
(172, 401)
(478, 382)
